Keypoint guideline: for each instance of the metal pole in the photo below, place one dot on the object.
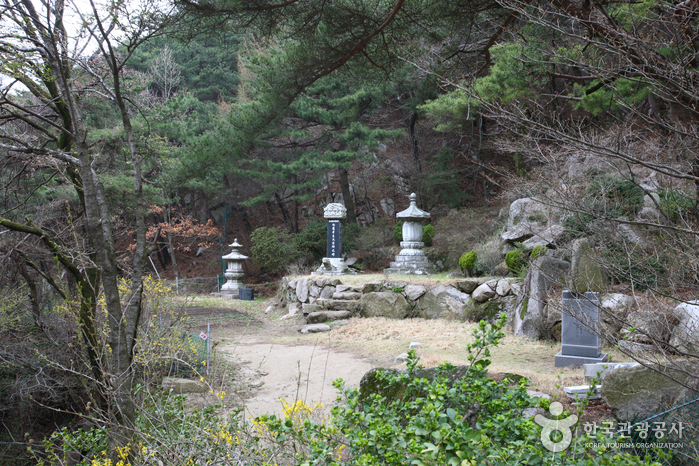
(208, 339)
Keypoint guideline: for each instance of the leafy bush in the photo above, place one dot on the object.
(427, 234)
(272, 248)
(537, 252)
(616, 197)
(675, 203)
(467, 262)
(515, 261)
(398, 232)
(312, 240)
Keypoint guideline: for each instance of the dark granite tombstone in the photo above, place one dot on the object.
(334, 249)
(579, 341)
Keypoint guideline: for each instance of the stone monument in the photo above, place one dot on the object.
(234, 271)
(580, 343)
(333, 263)
(411, 259)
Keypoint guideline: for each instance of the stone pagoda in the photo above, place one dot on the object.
(411, 259)
(234, 271)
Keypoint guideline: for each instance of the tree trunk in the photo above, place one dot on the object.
(171, 247)
(347, 196)
(410, 123)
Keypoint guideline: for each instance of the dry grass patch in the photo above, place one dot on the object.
(381, 340)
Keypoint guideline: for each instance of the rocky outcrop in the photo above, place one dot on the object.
(635, 393)
(585, 273)
(685, 335)
(384, 304)
(530, 317)
(527, 217)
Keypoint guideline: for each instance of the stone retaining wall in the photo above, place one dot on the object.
(471, 299)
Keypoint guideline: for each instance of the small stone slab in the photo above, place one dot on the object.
(414, 292)
(346, 295)
(579, 392)
(324, 316)
(338, 323)
(345, 289)
(309, 308)
(339, 305)
(180, 386)
(315, 328)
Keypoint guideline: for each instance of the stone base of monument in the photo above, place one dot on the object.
(563, 360)
(231, 293)
(410, 261)
(333, 266)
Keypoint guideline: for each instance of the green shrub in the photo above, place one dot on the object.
(312, 240)
(427, 234)
(616, 197)
(272, 248)
(675, 203)
(515, 261)
(467, 262)
(398, 232)
(537, 252)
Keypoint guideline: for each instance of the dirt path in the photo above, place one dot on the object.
(303, 372)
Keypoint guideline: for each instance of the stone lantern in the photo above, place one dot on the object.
(411, 259)
(234, 271)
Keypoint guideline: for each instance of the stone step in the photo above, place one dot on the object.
(339, 305)
(326, 316)
(346, 295)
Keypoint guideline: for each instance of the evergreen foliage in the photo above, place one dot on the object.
(467, 262)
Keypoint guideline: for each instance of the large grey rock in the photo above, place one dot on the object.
(503, 287)
(547, 237)
(530, 316)
(635, 393)
(585, 273)
(527, 217)
(314, 291)
(483, 293)
(632, 234)
(685, 335)
(524, 209)
(327, 292)
(522, 231)
(181, 386)
(467, 286)
(614, 308)
(414, 292)
(384, 304)
(442, 301)
(302, 290)
(371, 287)
(650, 208)
(649, 326)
